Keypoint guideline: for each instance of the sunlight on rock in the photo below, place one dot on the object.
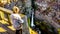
(32, 31)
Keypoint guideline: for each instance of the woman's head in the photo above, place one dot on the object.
(15, 9)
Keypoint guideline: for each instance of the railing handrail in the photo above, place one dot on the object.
(6, 10)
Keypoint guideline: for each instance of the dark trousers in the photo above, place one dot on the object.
(19, 31)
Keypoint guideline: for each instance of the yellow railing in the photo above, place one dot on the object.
(4, 15)
(5, 19)
(32, 31)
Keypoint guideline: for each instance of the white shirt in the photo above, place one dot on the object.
(15, 19)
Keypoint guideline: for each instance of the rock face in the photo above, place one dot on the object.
(51, 15)
(25, 26)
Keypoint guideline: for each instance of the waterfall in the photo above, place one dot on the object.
(32, 20)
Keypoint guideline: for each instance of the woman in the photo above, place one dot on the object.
(16, 20)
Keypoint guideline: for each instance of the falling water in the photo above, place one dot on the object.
(32, 20)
